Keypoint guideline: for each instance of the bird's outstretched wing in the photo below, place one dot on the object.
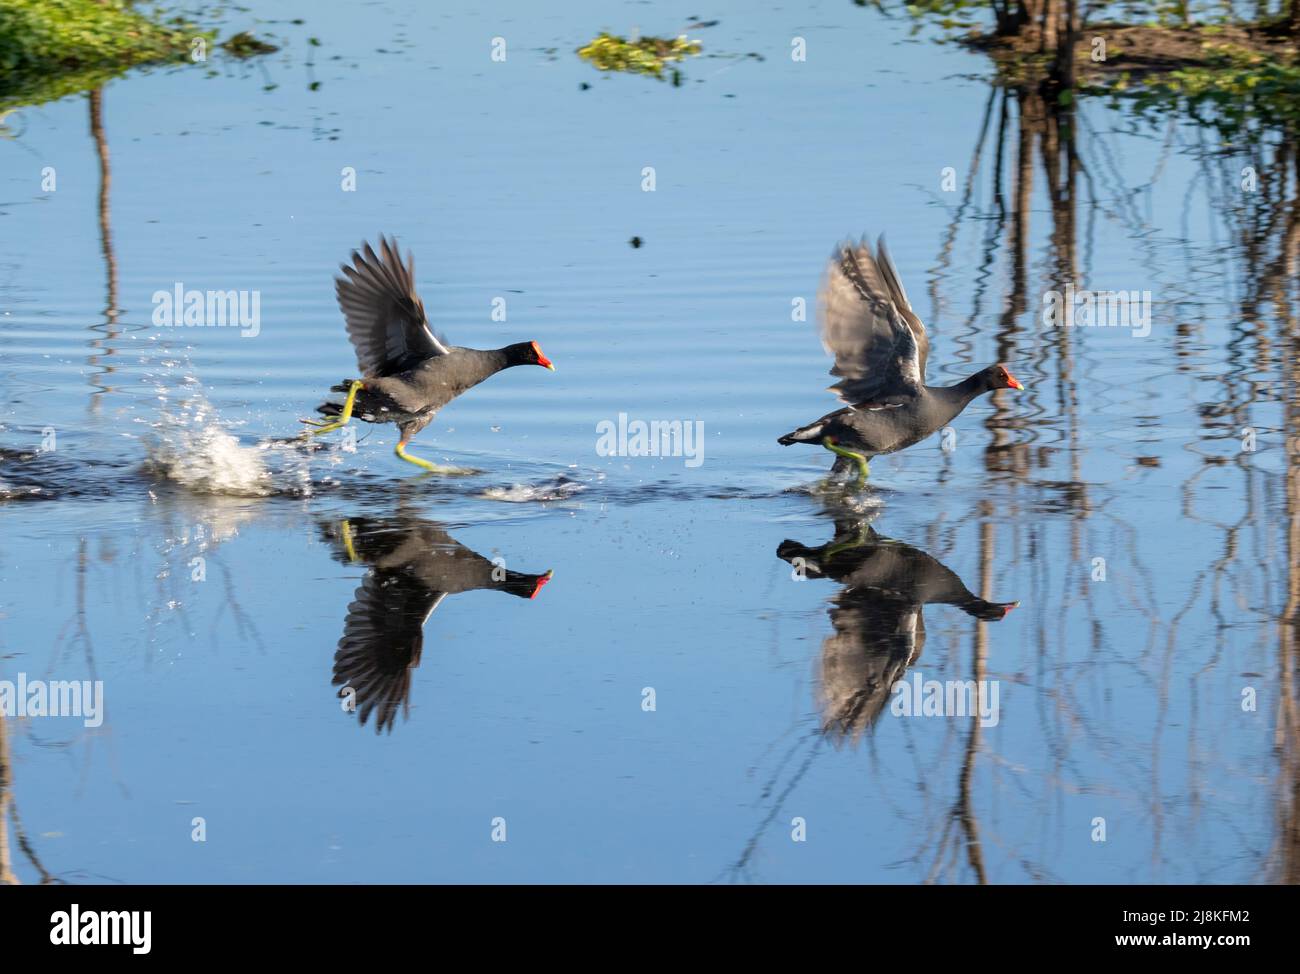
(867, 324)
(383, 638)
(384, 315)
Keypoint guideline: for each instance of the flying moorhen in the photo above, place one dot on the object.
(878, 618)
(880, 348)
(407, 374)
(414, 565)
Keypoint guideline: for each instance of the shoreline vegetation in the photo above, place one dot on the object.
(50, 49)
(1214, 66)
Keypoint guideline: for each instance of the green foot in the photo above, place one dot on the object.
(344, 416)
(430, 467)
(863, 469)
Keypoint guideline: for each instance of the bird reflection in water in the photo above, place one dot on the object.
(414, 564)
(879, 628)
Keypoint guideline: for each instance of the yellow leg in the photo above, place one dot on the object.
(343, 416)
(863, 470)
(345, 528)
(400, 450)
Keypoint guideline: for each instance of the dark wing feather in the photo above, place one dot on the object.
(875, 640)
(381, 644)
(384, 315)
(895, 284)
(878, 353)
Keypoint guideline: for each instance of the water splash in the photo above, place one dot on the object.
(191, 446)
(839, 497)
(557, 489)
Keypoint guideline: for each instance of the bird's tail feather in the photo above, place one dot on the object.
(804, 434)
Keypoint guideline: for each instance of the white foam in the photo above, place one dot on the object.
(190, 447)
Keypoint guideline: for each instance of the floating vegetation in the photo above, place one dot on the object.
(245, 45)
(645, 55)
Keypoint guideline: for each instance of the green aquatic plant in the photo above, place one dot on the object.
(1220, 68)
(646, 55)
(245, 45)
(1236, 91)
(43, 34)
(53, 48)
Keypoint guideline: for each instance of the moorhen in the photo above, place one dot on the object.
(880, 348)
(407, 373)
(877, 617)
(414, 565)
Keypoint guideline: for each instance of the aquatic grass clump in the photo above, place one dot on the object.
(646, 55)
(53, 48)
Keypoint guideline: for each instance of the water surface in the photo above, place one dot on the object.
(1121, 681)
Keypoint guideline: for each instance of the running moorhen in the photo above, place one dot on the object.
(414, 565)
(407, 373)
(880, 348)
(878, 620)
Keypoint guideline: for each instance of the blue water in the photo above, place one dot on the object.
(1121, 699)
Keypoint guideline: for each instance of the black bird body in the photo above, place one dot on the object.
(877, 617)
(890, 571)
(411, 398)
(407, 373)
(414, 565)
(874, 430)
(880, 348)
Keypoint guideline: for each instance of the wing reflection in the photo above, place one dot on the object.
(879, 628)
(414, 565)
